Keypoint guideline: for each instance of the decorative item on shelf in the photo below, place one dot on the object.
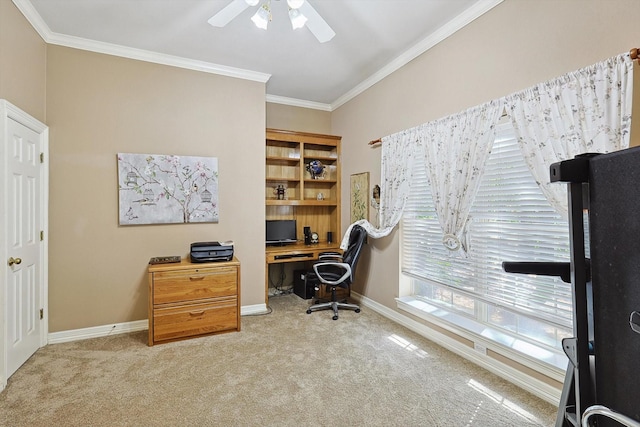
(316, 169)
(320, 196)
(315, 238)
(280, 191)
(307, 235)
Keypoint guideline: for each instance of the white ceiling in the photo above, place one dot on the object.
(373, 38)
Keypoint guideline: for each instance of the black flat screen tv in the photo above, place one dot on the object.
(281, 232)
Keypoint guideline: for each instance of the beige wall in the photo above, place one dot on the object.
(23, 56)
(515, 45)
(298, 119)
(99, 105)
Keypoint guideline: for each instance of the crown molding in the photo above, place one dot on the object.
(459, 22)
(50, 37)
(293, 102)
(34, 18)
(157, 58)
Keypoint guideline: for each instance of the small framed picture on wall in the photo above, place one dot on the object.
(359, 196)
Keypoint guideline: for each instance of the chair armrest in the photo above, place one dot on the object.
(341, 265)
(337, 256)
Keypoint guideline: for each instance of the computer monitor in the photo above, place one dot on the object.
(281, 232)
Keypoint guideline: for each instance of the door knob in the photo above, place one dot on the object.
(13, 260)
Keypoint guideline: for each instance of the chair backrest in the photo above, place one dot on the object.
(352, 253)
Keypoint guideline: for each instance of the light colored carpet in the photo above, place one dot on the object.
(287, 368)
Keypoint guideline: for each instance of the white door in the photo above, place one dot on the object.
(23, 235)
(25, 255)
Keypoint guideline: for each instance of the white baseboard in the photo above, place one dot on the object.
(248, 310)
(533, 385)
(97, 331)
(126, 327)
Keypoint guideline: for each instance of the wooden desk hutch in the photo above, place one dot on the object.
(313, 203)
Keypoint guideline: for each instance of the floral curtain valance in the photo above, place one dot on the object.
(588, 110)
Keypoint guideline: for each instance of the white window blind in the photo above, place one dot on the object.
(510, 221)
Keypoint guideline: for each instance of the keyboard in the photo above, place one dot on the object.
(289, 256)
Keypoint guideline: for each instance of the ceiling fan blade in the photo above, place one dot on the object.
(316, 24)
(226, 15)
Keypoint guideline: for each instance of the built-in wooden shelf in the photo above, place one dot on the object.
(314, 203)
(310, 202)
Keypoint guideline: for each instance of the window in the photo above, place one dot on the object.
(510, 221)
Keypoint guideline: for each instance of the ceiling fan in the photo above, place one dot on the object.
(301, 13)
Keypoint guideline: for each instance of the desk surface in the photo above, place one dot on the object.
(287, 253)
(278, 253)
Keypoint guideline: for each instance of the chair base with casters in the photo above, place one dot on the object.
(334, 305)
(335, 270)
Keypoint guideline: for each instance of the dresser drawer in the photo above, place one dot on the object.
(195, 319)
(194, 284)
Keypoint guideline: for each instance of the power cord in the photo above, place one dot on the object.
(279, 291)
(279, 286)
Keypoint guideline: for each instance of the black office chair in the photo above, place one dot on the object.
(333, 271)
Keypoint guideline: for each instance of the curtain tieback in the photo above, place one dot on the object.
(451, 242)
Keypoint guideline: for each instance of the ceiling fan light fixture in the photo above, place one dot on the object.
(262, 16)
(297, 19)
(301, 14)
(295, 4)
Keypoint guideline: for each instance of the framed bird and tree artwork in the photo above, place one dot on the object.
(167, 189)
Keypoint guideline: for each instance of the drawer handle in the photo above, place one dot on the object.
(196, 313)
(194, 278)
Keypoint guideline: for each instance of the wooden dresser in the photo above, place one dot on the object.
(188, 300)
